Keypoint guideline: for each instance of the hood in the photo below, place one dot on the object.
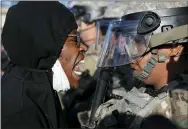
(34, 33)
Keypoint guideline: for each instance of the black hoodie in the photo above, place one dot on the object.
(33, 36)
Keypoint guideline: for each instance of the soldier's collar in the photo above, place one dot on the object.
(183, 78)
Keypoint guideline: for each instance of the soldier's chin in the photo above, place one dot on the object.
(148, 81)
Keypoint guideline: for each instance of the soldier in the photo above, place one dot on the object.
(154, 43)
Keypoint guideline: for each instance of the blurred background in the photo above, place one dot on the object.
(87, 13)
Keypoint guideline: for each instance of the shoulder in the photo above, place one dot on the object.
(180, 91)
(179, 102)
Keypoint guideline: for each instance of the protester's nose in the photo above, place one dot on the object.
(83, 47)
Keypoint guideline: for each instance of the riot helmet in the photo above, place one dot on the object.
(136, 34)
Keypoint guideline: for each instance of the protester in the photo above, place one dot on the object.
(38, 37)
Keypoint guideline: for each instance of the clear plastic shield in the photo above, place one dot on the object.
(122, 44)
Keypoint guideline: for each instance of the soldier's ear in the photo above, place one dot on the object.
(175, 50)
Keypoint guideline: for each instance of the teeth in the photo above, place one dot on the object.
(77, 73)
(82, 61)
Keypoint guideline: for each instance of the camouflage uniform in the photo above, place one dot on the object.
(175, 106)
(136, 105)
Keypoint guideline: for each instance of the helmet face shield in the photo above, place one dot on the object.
(122, 44)
(102, 26)
(134, 34)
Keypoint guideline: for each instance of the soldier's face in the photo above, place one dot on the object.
(162, 72)
(139, 64)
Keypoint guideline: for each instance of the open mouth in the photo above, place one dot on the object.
(78, 73)
(77, 69)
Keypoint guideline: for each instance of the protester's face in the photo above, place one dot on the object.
(88, 33)
(70, 56)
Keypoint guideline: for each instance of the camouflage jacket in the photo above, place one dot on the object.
(175, 105)
(136, 105)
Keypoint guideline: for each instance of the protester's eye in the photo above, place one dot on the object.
(76, 38)
(78, 41)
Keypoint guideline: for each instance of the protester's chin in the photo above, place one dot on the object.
(74, 80)
(76, 75)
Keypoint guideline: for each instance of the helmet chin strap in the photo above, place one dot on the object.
(179, 33)
(161, 58)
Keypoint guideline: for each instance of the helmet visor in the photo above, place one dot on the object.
(122, 44)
